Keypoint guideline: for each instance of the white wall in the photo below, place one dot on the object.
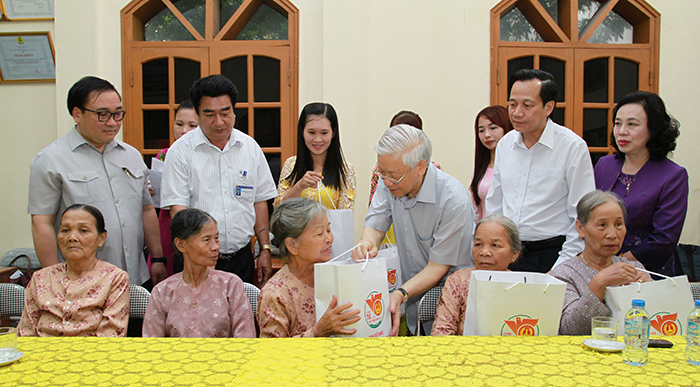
(27, 124)
(679, 83)
(369, 59)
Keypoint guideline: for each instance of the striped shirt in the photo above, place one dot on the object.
(224, 183)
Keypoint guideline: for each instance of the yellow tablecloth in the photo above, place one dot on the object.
(410, 361)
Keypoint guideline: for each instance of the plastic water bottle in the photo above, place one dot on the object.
(636, 335)
(692, 350)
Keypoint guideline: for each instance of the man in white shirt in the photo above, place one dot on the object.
(223, 171)
(540, 173)
(432, 215)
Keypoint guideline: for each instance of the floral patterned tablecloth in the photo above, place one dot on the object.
(415, 361)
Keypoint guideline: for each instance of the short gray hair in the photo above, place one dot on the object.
(411, 144)
(592, 200)
(511, 230)
(291, 218)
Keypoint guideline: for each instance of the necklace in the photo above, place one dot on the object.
(583, 258)
(626, 180)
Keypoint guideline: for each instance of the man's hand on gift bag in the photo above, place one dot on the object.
(336, 318)
(395, 301)
(360, 252)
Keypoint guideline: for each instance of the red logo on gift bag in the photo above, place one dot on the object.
(666, 324)
(374, 310)
(521, 325)
(391, 277)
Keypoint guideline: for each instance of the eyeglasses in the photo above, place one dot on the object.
(392, 180)
(104, 116)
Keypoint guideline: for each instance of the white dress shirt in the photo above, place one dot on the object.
(539, 188)
(224, 183)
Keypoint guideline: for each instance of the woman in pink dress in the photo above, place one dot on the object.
(496, 245)
(200, 301)
(491, 125)
(82, 296)
(286, 306)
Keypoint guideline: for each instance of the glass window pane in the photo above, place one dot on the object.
(595, 127)
(267, 127)
(552, 7)
(226, 9)
(626, 78)
(266, 24)
(558, 116)
(266, 72)
(241, 120)
(155, 81)
(557, 68)
(613, 30)
(595, 80)
(274, 160)
(526, 62)
(595, 156)
(236, 69)
(586, 11)
(193, 11)
(156, 129)
(165, 27)
(515, 28)
(186, 72)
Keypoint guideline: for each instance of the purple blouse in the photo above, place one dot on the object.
(656, 203)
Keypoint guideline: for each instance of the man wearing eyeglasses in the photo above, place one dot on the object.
(432, 215)
(89, 166)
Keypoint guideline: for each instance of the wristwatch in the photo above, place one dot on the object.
(266, 247)
(405, 295)
(159, 260)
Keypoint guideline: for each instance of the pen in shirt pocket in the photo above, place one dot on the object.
(128, 173)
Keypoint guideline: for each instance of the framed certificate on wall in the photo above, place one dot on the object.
(27, 57)
(27, 9)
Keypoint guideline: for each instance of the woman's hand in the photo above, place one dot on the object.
(335, 319)
(617, 274)
(310, 180)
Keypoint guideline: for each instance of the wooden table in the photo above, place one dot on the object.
(396, 361)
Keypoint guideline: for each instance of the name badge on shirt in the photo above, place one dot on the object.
(244, 192)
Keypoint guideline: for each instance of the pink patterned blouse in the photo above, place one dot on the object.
(483, 189)
(218, 307)
(452, 307)
(97, 304)
(286, 307)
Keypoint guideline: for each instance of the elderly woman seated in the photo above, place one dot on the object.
(200, 301)
(496, 245)
(286, 306)
(83, 296)
(601, 224)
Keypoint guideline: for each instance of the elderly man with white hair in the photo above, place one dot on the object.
(432, 215)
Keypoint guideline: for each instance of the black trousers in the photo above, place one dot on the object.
(538, 256)
(240, 263)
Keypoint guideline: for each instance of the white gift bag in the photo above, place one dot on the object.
(393, 266)
(505, 303)
(341, 222)
(364, 284)
(668, 303)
